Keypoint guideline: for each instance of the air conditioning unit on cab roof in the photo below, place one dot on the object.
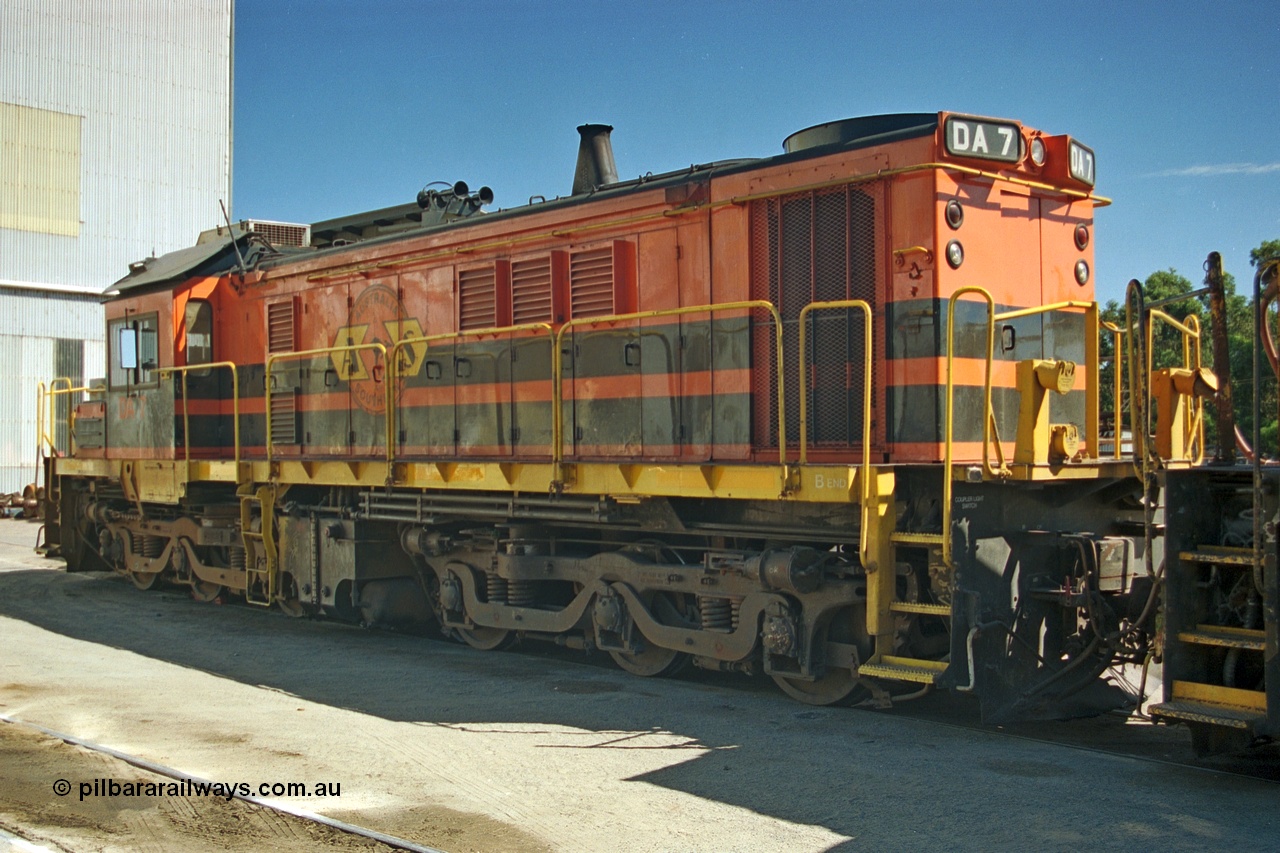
(280, 233)
(277, 234)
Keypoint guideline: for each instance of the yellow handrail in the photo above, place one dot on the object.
(165, 372)
(329, 351)
(865, 509)
(1118, 360)
(394, 361)
(557, 415)
(40, 421)
(1191, 360)
(1092, 432)
(48, 397)
(949, 410)
(50, 394)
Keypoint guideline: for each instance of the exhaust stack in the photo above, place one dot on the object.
(596, 168)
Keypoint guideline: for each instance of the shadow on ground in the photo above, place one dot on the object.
(860, 774)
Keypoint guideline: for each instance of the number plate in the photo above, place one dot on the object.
(1082, 164)
(986, 140)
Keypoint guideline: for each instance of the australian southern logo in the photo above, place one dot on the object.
(377, 318)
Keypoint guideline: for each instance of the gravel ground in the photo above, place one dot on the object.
(521, 751)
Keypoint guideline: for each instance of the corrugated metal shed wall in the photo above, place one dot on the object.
(148, 82)
(151, 80)
(38, 329)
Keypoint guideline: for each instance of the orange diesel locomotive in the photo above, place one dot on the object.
(831, 414)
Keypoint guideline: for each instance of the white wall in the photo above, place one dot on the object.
(151, 81)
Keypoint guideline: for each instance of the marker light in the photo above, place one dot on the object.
(1082, 273)
(955, 254)
(955, 214)
(1037, 151)
(1082, 236)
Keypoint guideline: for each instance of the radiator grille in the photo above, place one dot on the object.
(811, 247)
(477, 299)
(284, 417)
(280, 337)
(591, 283)
(531, 291)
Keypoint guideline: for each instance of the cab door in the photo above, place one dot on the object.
(139, 407)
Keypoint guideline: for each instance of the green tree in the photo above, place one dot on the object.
(1269, 250)
(1167, 347)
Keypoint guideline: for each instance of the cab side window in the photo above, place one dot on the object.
(135, 355)
(199, 328)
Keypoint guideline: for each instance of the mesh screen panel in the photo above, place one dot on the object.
(813, 247)
(283, 233)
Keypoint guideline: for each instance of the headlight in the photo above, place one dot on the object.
(1082, 272)
(955, 254)
(1037, 151)
(955, 214)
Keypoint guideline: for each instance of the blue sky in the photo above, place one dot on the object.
(342, 107)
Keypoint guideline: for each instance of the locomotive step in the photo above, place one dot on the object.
(907, 538)
(904, 669)
(923, 609)
(1210, 703)
(1220, 554)
(1198, 712)
(1222, 635)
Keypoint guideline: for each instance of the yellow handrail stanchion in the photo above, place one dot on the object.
(1117, 361)
(1191, 360)
(50, 396)
(557, 416)
(863, 544)
(393, 360)
(330, 351)
(1092, 431)
(166, 372)
(949, 410)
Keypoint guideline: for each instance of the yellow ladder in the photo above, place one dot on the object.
(918, 670)
(261, 556)
(1219, 705)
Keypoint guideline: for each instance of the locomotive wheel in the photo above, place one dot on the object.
(655, 661)
(835, 685)
(205, 591)
(292, 608)
(486, 639)
(652, 662)
(144, 580)
(289, 602)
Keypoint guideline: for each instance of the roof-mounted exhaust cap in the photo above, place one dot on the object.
(596, 168)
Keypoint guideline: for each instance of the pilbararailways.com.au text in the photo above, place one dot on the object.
(193, 788)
